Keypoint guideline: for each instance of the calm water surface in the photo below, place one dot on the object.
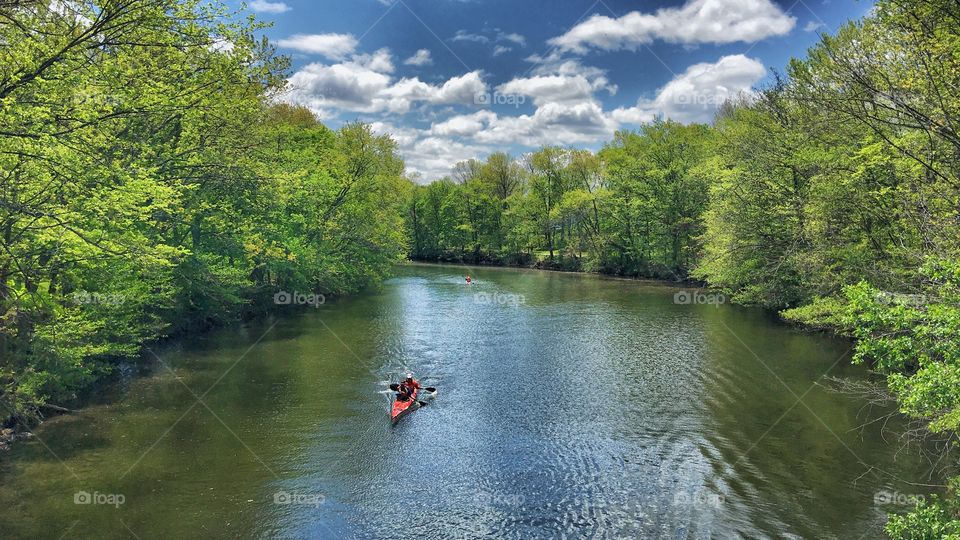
(569, 407)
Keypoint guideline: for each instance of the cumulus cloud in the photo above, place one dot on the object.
(558, 80)
(694, 95)
(564, 93)
(553, 123)
(381, 61)
(364, 84)
(264, 6)
(566, 113)
(426, 155)
(462, 89)
(464, 124)
(697, 21)
(500, 49)
(334, 46)
(420, 58)
(556, 88)
(633, 115)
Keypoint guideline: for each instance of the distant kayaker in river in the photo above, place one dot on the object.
(468, 279)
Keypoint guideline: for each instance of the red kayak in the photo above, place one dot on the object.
(399, 408)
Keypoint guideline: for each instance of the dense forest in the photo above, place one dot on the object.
(832, 196)
(152, 182)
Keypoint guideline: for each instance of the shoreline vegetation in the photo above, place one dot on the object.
(153, 183)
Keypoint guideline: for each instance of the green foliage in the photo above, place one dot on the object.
(934, 519)
(148, 186)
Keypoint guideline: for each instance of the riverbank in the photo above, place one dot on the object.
(546, 266)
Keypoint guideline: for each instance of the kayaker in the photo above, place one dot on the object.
(402, 390)
(410, 383)
(468, 279)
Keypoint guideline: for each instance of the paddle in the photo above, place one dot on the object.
(395, 386)
(431, 389)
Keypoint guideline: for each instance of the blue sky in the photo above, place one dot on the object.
(455, 79)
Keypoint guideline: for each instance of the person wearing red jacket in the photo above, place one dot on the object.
(410, 383)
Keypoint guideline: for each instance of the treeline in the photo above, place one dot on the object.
(632, 209)
(149, 186)
(833, 195)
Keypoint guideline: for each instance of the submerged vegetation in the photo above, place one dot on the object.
(150, 182)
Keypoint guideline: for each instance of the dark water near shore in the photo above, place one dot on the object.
(568, 406)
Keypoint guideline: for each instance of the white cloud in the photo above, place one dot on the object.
(697, 21)
(266, 6)
(632, 115)
(556, 88)
(463, 125)
(334, 46)
(340, 86)
(381, 61)
(429, 156)
(500, 49)
(461, 89)
(561, 81)
(405, 137)
(420, 58)
(555, 65)
(463, 35)
(434, 157)
(694, 95)
(812, 26)
(563, 92)
(512, 37)
(364, 84)
(566, 113)
(553, 123)
(222, 45)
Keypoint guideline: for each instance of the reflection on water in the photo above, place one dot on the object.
(568, 406)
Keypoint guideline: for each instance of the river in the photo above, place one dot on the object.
(568, 406)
